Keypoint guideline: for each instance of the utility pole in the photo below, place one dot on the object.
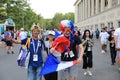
(23, 20)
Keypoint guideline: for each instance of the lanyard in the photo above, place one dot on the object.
(66, 50)
(35, 51)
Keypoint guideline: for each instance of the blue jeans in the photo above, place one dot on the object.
(33, 73)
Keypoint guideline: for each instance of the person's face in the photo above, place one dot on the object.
(87, 34)
(113, 32)
(51, 37)
(103, 30)
(67, 31)
(76, 28)
(35, 32)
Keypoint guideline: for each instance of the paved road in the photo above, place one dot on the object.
(102, 68)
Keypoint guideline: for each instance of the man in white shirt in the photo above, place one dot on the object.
(104, 40)
(117, 45)
(91, 32)
(23, 34)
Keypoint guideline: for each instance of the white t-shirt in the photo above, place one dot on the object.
(23, 35)
(91, 32)
(103, 37)
(117, 33)
(48, 45)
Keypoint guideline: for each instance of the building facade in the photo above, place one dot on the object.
(97, 13)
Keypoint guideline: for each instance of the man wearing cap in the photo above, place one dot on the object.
(35, 61)
(23, 34)
(66, 45)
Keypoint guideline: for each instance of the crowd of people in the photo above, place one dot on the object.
(77, 46)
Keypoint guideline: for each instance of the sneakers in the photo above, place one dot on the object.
(88, 72)
(85, 73)
(12, 52)
(8, 52)
(103, 52)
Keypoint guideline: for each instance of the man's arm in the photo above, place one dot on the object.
(116, 38)
(81, 53)
(13, 40)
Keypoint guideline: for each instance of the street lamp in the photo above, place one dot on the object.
(23, 20)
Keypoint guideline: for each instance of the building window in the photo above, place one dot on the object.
(99, 5)
(96, 26)
(110, 24)
(78, 13)
(94, 6)
(114, 3)
(90, 7)
(118, 23)
(106, 3)
(102, 25)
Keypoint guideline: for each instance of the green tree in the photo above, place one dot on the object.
(56, 20)
(24, 16)
(3, 13)
(69, 16)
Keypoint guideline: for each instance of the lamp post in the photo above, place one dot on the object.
(23, 19)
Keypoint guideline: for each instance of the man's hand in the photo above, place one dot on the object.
(52, 50)
(79, 60)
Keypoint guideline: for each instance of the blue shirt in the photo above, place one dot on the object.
(31, 49)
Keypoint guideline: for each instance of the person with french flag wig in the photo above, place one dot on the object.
(66, 23)
(64, 47)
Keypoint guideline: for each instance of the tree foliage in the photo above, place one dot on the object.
(24, 16)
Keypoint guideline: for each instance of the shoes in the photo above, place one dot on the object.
(85, 73)
(103, 51)
(112, 64)
(12, 52)
(89, 72)
(8, 52)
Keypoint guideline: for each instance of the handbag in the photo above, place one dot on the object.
(24, 54)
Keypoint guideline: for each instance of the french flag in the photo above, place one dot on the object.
(52, 64)
(60, 44)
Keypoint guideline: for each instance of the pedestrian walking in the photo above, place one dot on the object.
(88, 55)
(22, 34)
(112, 47)
(9, 43)
(97, 32)
(104, 40)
